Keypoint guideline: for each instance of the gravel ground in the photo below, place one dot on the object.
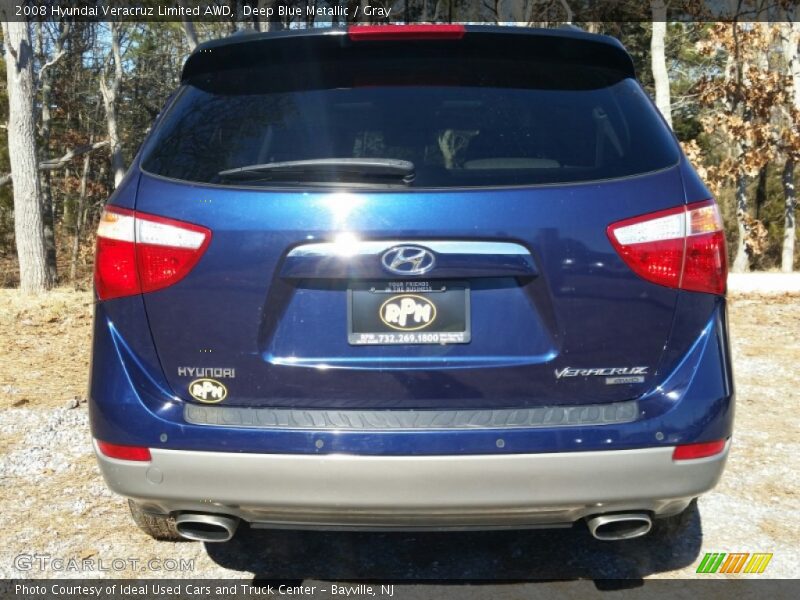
(53, 501)
(764, 283)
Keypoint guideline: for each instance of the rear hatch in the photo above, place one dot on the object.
(410, 223)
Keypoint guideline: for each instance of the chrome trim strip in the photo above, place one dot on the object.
(350, 247)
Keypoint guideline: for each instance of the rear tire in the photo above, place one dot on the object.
(158, 527)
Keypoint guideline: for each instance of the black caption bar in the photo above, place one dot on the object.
(203, 589)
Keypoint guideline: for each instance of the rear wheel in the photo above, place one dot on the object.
(159, 527)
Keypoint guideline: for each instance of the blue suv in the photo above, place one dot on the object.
(410, 277)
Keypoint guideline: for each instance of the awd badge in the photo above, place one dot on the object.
(207, 390)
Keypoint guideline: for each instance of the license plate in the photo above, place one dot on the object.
(408, 312)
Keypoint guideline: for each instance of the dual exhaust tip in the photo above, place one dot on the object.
(220, 528)
(623, 526)
(206, 527)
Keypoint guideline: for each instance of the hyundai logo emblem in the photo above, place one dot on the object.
(408, 260)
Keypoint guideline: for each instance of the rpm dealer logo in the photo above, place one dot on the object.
(408, 312)
(208, 391)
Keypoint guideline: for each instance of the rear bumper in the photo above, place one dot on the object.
(383, 492)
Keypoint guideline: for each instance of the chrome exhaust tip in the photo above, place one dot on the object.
(206, 528)
(619, 526)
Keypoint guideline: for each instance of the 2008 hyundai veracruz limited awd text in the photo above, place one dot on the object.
(410, 277)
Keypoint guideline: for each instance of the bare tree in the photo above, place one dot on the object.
(743, 96)
(109, 89)
(508, 11)
(79, 212)
(736, 66)
(567, 11)
(658, 60)
(45, 82)
(264, 23)
(191, 34)
(28, 224)
(62, 161)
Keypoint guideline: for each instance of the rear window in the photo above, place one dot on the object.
(462, 123)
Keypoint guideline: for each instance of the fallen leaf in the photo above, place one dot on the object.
(89, 552)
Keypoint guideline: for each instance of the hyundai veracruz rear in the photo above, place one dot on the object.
(410, 277)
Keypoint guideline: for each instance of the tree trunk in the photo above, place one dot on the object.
(658, 61)
(48, 208)
(46, 85)
(568, 16)
(790, 39)
(789, 221)
(734, 69)
(188, 30)
(28, 222)
(48, 226)
(191, 35)
(233, 26)
(761, 189)
(79, 210)
(741, 263)
(109, 91)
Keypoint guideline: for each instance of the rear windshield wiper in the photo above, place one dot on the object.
(356, 170)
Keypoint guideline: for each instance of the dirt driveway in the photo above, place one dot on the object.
(53, 501)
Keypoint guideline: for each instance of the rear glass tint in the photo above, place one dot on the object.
(462, 123)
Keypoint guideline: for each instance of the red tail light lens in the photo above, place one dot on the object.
(137, 453)
(703, 450)
(138, 252)
(405, 32)
(681, 247)
(115, 272)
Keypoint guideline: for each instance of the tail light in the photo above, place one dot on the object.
(138, 252)
(682, 247)
(702, 450)
(405, 32)
(137, 453)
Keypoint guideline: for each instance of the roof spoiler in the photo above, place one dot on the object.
(256, 49)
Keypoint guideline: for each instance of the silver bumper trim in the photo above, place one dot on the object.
(377, 492)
